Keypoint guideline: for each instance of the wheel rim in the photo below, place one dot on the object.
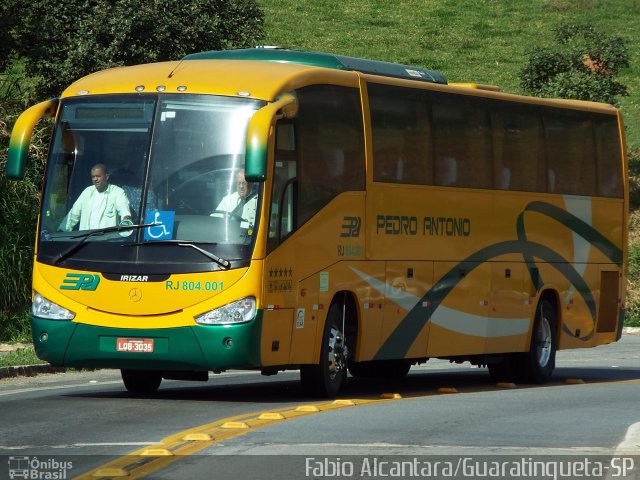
(543, 342)
(337, 352)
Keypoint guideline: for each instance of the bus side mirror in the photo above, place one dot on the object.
(21, 137)
(260, 125)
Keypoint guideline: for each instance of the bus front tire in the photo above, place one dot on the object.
(326, 378)
(141, 381)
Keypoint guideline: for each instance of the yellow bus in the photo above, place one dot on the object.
(303, 210)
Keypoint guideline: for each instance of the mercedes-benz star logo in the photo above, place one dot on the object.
(135, 295)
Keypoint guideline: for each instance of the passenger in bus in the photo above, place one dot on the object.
(446, 171)
(504, 179)
(100, 205)
(242, 203)
(551, 180)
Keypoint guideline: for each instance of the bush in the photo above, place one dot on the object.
(19, 204)
(582, 66)
(83, 37)
(633, 272)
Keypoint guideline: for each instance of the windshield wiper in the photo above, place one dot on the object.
(94, 233)
(226, 264)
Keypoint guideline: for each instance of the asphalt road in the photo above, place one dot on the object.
(440, 411)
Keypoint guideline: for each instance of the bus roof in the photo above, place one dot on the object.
(326, 60)
(233, 73)
(219, 77)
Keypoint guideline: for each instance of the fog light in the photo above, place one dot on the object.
(227, 342)
(44, 336)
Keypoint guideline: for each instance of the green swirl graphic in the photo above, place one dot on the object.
(400, 340)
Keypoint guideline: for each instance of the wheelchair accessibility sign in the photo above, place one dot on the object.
(163, 225)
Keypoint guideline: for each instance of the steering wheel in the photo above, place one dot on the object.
(226, 214)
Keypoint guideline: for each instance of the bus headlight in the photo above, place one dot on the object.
(240, 311)
(43, 308)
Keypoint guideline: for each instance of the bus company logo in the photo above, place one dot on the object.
(80, 281)
(34, 468)
(351, 227)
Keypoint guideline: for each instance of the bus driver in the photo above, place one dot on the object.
(99, 205)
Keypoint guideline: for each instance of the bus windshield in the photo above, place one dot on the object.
(171, 162)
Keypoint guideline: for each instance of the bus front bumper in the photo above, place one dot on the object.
(193, 348)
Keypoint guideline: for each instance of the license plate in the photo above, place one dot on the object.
(142, 345)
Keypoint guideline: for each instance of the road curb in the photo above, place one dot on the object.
(29, 370)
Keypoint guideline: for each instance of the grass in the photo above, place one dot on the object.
(486, 41)
(15, 327)
(22, 356)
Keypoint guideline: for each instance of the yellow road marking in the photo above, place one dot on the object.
(574, 381)
(152, 458)
(447, 390)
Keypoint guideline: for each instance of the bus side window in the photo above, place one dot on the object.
(318, 155)
(518, 148)
(570, 152)
(461, 132)
(281, 212)
(609, 157)
(329, 147)
(401, 133)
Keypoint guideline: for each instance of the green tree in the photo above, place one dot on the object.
(7, 20)
(63, 40)
(58, 41)
(581, 65)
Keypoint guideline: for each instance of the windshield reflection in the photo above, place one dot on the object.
(174, 162)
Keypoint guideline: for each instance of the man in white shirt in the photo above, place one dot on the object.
(99, 206)
(241, 203)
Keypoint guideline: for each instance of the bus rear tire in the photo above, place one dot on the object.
(537, 365)
(141, 381)
(326, 378)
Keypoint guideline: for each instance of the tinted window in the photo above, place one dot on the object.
(609, 156)
(462, 140)
(402, 151)
(330, 146)
(570, 153)
(518, 148)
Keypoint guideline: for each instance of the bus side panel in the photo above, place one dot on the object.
(307, 318)
(275, 338)
(407, 283)
(510, 307)
(609, 304)
(460, 317)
